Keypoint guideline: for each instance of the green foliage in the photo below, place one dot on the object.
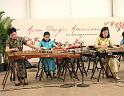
(5, 24)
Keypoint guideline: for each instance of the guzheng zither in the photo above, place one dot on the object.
(40, 54)
(118, 49)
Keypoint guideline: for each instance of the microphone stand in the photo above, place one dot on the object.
(82, 73)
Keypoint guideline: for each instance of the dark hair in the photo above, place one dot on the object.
(104, 29)
(123, 34)
(46, 33)
(11, 30)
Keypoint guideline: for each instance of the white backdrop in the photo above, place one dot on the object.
(118, 8)
(40, 9)
(16, 9)
(86, 29)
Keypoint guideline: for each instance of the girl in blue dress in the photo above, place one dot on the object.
(49, 63)
(122, 40)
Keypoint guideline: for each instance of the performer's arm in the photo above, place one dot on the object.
(11, 50)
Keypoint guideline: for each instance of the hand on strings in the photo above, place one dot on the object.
(38, 48)
(122, 46)
(15, 49)
(104, 46)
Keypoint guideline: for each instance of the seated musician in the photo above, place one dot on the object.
(102, 43)
(122, 41)
(15, 43)
(49, 63)
(122, 44)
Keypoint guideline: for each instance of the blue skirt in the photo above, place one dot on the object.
(49, 64)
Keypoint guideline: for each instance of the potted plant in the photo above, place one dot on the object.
(5, 24)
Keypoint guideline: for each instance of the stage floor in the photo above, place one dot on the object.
(48, 87)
